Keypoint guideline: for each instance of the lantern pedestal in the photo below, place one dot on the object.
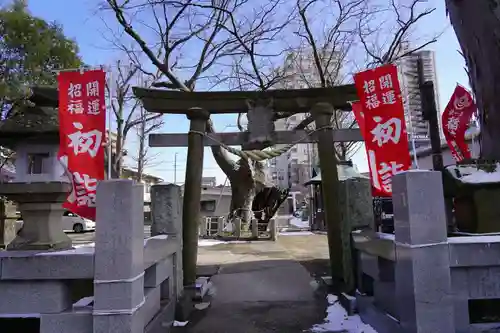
(40, 204)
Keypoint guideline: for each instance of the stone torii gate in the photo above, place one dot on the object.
(198, 106)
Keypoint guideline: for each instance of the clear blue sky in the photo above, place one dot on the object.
(80, 22)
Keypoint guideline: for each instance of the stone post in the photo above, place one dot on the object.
(356, 204)
(423, 284)
(202, 226)
(255, 228)
(166, 215)
(8, 225)
(322, 114)
(237, 227)
(273, 229)
(192, 193)
(220, 226)
(119, 257)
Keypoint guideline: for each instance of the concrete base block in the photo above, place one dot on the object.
(34, 265)
(25, 242)
(120, 323)
(185, 305)
(327, 280)
(273, 230)
(158, 273)
(349, 303)
(34, 297)
(164, 320)
(151, 304)
(372, 316)
(8, 230)
(202, 286)
(41, 208)
(74, 322)
(118, 295)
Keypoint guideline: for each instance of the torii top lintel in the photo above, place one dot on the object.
(217, 102)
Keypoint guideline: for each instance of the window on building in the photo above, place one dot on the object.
(35, 163)
(208, 205)
(147, 187)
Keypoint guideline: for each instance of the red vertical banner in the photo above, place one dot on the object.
(359, 115)
(455, 121)
(385, 135)
(82, 128)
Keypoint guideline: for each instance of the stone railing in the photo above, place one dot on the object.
(219, 226)
(211, 226)
(421, 280)
(123, 283)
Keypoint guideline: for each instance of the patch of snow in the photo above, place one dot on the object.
(472, 175)
(83, 302)
(180, 323)
(210, 242)
(155, 237)
(382, 235)
(474, 239)
(338, 320)
(202, 306)
(481, 176)
(296, 233)
(77, 249)
(213, 242)
(297, 222)
(20, 315)
(84, 246)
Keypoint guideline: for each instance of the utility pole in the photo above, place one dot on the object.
(429, 112)
(175, 168)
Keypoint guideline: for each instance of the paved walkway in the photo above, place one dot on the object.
(262, 287)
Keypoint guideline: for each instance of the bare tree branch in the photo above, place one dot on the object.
(146, 123)
(406, 18)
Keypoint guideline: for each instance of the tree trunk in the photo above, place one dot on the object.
(477, 26)
(242, 195)
(243, 187)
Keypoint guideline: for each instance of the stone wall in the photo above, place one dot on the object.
(122, 283)
(421, 280)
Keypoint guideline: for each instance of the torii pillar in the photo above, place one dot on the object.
(192, 193)
(322, 114)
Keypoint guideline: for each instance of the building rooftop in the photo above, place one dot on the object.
(471, 134)
(129, 173)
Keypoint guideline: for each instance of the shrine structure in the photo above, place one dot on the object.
(262, 109)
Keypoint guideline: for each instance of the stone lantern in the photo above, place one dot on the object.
(40, 185)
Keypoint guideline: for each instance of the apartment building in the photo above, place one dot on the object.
(417, 127)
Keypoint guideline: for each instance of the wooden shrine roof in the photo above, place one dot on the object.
(216, 102)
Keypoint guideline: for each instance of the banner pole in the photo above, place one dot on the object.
(110, 109)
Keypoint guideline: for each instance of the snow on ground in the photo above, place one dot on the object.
(212, 242)
(337, 320)
(296, 233)
(297, 222)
